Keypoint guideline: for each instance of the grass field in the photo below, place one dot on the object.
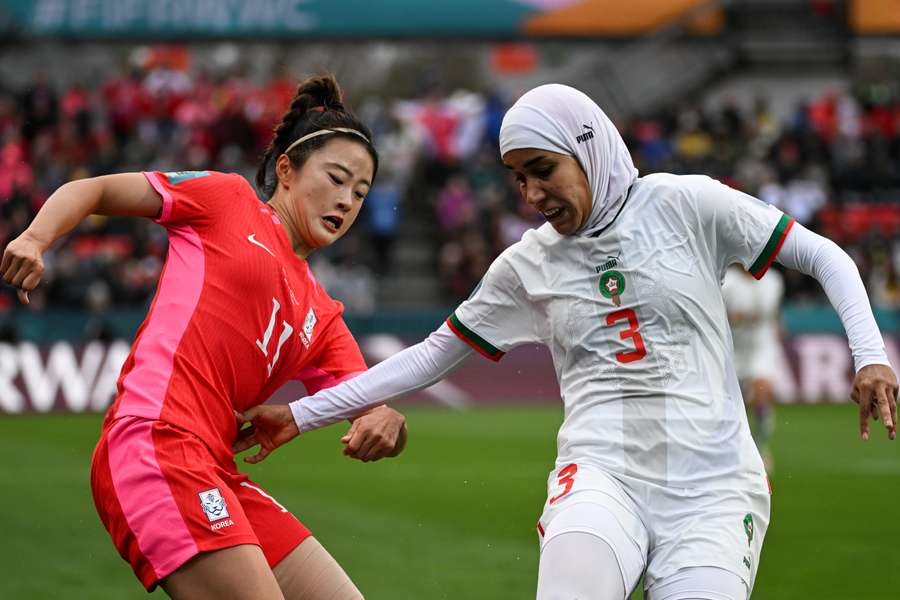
(454, 516)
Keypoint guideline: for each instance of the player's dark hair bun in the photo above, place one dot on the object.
(320, 90)
(318, 104)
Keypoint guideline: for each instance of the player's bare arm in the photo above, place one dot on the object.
(125, 194)
(378, 433)
(875, 390)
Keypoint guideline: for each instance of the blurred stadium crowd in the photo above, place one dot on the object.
(834, 165)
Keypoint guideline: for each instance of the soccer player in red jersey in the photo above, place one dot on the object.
(237, 313)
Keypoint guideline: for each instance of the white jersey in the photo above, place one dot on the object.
(636, 324)
(754, 312)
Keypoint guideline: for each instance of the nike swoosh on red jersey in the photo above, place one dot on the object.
(252, 239)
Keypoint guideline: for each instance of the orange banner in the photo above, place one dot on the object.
(609, 18)
(875, 16)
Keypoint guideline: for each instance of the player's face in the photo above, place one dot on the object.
(326, 193)
(554, 184)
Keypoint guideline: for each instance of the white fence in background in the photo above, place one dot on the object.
(80, 378)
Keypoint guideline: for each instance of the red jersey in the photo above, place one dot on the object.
(236, 314)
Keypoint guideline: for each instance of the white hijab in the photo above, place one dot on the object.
(559, 118)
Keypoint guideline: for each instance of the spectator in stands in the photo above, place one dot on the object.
(382, 212)
(434, 148)
(39, 106)
(463, 261)
(455, 205)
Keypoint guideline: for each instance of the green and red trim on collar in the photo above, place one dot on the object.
(478, 343)
(776, 240)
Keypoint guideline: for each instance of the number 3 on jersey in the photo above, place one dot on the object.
(640, 350)
(286, 332)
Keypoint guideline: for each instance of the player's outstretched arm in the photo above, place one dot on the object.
(875, 385)
(126, 194)
(415, 368)
(378, 433)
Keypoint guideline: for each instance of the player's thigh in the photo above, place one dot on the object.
(303, 568)
(309, 572)
(763, 391)
(588, 500)
(163, 498)
(719, 529)
(276, 528)
(590, 542)
(579, 565)
(762, 372)
(699, 583)
(235, 573)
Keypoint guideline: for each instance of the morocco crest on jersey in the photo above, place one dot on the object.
(612, 285)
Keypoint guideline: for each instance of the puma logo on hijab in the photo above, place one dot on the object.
(587, 135)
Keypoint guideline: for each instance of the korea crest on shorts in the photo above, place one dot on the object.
(213, 505)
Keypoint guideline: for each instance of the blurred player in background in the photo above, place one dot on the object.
(237, 313)
(754, 312)
(656, 471)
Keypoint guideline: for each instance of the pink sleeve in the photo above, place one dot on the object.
(195, 197)
(161, 189)
(340, 360)
(315, 379)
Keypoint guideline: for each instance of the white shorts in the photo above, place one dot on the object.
(759, 362)
(658, 530)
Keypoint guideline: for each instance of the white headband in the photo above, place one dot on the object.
(309, 136)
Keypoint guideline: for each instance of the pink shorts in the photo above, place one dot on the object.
(163, 499)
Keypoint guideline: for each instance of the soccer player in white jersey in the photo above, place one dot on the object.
(656, 471)
(754, 311)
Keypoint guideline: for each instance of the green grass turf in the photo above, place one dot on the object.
(454, 516)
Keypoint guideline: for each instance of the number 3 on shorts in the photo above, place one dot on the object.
(567, 479)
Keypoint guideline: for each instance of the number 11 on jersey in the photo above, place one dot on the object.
(286, 332)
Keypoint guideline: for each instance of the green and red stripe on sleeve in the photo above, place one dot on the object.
(770, 251)
(478, 343)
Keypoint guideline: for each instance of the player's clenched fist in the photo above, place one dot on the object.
(376, 434)
(22, 265)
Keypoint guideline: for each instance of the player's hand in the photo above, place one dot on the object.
(376, 434)
(875, 390)
(270, 427)
(22, 265)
